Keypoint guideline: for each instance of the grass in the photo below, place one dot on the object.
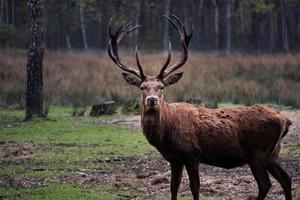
(85, 78)
(55, 191)
(59, 147)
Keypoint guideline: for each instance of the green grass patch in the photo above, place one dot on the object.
(60, 146)
(65, 134)
(57, 192)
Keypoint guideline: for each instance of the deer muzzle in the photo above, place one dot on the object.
(152, 101)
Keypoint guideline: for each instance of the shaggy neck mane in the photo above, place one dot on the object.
(154, 122)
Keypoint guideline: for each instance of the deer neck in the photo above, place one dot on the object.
(152, 124)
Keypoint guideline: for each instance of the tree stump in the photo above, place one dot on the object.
(107, 108)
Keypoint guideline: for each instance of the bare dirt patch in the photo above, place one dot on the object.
(13, 152)
(150, 176)
(17, 153)
(133, 122)
(12, 182)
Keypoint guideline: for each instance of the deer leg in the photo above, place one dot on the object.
(193, 173)
(283, 177)
(263, 180)
(176, 174)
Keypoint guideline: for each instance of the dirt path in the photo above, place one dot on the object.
(133, 122)
(152, 173)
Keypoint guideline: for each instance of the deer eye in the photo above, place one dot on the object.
(142, 87)
(160, 87)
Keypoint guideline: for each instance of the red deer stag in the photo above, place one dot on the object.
(187, 135)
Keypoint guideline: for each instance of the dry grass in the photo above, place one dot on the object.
(81, 78)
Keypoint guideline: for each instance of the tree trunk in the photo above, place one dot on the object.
(82, 24)
(141, 20)
(283, 36)
(256, 36)
(34, 90)
(228, 26)
(166, 37)
(225, 24)
(68, 42)
(270, 28)
(199, 22)
(1, 10)
(216, 23)
(104, 24)
(242, 18)
(12, 12)
(185, 13)
(137, 19)
(6, 10)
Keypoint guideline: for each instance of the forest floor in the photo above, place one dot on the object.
(66, 157)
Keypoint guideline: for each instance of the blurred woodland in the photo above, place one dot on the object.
(242, 51)
(231, 25)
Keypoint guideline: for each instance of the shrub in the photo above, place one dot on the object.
(85, 78)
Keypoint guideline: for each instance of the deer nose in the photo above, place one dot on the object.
(152, 101)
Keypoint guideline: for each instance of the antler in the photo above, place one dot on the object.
(115, 39)
(184, 39)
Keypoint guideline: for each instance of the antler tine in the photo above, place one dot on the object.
(188, 37)
(115, 39)
(125, 31)
(110, 53)
(161, 73)
(184, 39)
(138, 62)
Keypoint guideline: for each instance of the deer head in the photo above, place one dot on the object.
(152, 87)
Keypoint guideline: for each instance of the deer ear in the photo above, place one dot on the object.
(172, 79)
(133, 80)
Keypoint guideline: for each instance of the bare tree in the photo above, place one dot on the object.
(216, 23)
(12, 12)
(141, 20)
(225, 24)
(82, 24)
(34, 90)
(228, 25)
(6, 10)
(199, 23)
(137, 17)
(256, 31)
(185, 12)
(283, 29)
(270, 28)
(68, 41)
(104, 23)
(242, 17)
(166, 37)
(1, 10)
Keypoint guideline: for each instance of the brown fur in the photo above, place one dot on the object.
(228, 138)
(214, 133)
